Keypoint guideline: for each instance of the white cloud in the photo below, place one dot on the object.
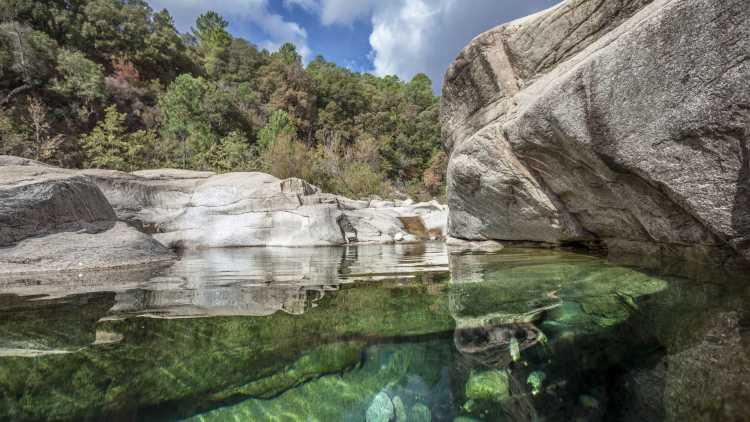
(408, 36)
(331, 12)
(308, 5)
(412, 36)
(344, 12)
(255, 12)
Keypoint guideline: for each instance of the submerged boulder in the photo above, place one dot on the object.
(488, 385)
(616, 121)
(381, 409)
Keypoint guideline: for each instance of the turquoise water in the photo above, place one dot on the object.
(374, 333)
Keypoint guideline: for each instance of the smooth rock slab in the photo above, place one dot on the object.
(59, 220)
(202, 210)
(117, 247)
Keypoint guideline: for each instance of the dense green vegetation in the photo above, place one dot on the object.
(111, 83)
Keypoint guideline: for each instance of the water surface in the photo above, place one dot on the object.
(374, 333)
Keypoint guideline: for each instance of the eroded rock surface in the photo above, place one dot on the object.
(53, 219)
(189, 209)
(192, 209)
(614, 120)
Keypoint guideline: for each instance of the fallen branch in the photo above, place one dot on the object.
(14, 92)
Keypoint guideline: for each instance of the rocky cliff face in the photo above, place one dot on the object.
(625, 121)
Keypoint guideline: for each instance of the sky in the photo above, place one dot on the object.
(383, 37)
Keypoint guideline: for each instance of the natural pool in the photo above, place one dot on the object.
(374, 333)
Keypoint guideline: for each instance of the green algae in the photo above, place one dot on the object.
(386, 374)
(399, 409)
(488, 385)
(191, 363)
(420, 413)
(390, 339)
(506, 289)
(535, 380)
(327, 359)
(381, 409)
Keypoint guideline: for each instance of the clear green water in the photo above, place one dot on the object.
(376, 333)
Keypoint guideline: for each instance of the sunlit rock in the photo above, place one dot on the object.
(608, 120)
(58, 220)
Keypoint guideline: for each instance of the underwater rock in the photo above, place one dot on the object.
(495, 345)
(420, 413)
(399, 409)
(381, 409)
(535, 380)
(488, 385)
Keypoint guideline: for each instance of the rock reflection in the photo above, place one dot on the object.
(243, 281)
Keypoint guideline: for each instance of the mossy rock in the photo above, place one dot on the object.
(488, 386)
(420, 413)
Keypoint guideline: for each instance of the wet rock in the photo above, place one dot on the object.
(555, 137)
(420, 413)
(488, 385)
(535, 380)
(399, 409)
(381, 409)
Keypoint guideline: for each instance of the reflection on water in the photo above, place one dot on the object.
(242, 281)
(374, 333)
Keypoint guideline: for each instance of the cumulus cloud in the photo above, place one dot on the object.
(256, 12)
(408, 36)
(412, 36)
(342, 12)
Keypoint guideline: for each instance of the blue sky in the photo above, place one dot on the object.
(401, 37)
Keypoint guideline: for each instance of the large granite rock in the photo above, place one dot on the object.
(117, 246)
(249, 209)
(624, 121)
(191, 209)
(53, 219)
(187, 209)
(40, 200)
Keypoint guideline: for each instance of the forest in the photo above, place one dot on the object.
(113, 84)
